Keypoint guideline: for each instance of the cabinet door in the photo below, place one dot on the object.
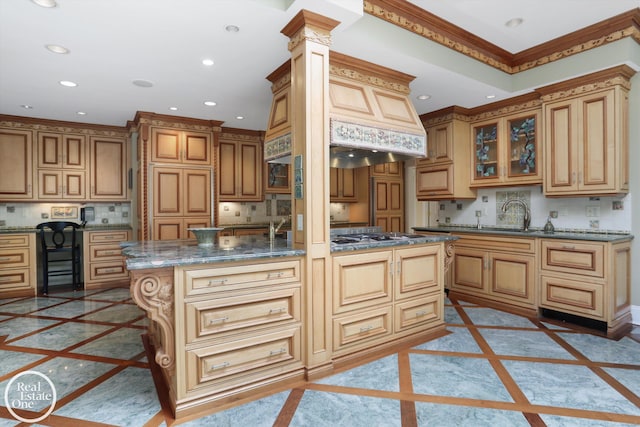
(227, 171)
(440, 148)
(197, 148)
(523, 149)
(168, 229)
(250, 172)
(197, 192)
(165, 145)
(16, 159)
(61, 184)
(434, 181)
(469, 271)
(513, 277)
(167, 192)
(108, 169)
(389, 204)
(59, 151)
(417, 271)
(277, 178)
(194, 222)
(486, 154)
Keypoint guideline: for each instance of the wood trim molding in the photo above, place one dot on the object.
(418, 21)
(620, 75)
(46, 125)
(176, 122)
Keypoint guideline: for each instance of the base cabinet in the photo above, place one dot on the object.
(496, 268)
(18, 265)
(588, 279)
(104, 265)
(382, 295)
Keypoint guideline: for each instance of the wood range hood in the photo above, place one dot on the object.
(372, 119)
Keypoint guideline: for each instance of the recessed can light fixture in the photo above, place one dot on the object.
(232, 28)
(240, 117)
(27, 106)
(45, 3)
(423, 97)
(57, 49)
(81, 113)
(142, 83)
(490, 96)
(514, 22)
(68, 83)
(173, 108)
(210, 103)
(208, 62)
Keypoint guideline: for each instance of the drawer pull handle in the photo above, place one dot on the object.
(421, 313)
(277, 310)
(217, 282)
(220, 366)
(4, 242)
(366, 328)
(277, 352)
(275, 275)
(6, 258)
(568, 247)
(5, 279)
(218, 320)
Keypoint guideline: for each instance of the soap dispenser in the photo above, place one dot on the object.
(548, 227)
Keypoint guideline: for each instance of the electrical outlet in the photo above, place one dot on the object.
(237, 213)
(594, 224)
(553, 214)
(478, 214)
(105, 220)
(44, 215)
(593, 211)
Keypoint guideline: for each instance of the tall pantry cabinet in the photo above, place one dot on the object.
(174, 175)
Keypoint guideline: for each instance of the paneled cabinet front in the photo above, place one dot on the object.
(181, 200)
(382, 295)
(108, 168)
(61, 162)
(179, 146)
(240, 171)
(103, 262)
(16, 164)
(17, 265)
(342, 185)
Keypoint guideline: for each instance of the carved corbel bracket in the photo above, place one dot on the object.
(152, 291)
(449, 249)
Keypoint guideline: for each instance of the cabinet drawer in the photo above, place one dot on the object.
(15, 279)
(108, 271)
(104, 252)
(14, 258)
(198, 281)
(362, 328)
(509, 244)
(205, 318)
(247, 359)
(570, 296)
(362, 280)
(418, 312)
(11, 240)
(108, 237)
(573, 257)
(417, 271)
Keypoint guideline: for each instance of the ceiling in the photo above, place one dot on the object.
(112, 43)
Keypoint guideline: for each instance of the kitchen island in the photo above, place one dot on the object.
(229, 321)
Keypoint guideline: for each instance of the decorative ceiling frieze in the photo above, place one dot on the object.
(416, 20)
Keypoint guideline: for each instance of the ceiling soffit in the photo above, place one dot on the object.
(416, 20)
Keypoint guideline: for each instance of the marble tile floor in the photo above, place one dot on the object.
(492, 369)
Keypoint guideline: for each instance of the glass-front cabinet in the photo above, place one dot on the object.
(506, 151)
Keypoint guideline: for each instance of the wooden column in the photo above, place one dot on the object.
(309, 35)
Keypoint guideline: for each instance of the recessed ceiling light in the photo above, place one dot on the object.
(232, 28)
(142, 83)
(514, 22)
(490, 96)
(173, 108)
(210, 103)
(57, 49)
(81, 113)
(240, 117)
(423, 97)
(45, 3)
(27, 106)
(208, 62)
(68, 83)
(351, 155)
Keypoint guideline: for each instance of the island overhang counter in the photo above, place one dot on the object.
(228, 321)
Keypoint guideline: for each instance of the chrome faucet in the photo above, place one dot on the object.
(527, 212)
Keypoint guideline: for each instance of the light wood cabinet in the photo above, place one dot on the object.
(381, 295)
(507, 150)
(239, 168)
(437, 176)
(588, 279)
(104, 265)
(500, 269)
(18, 265)
(16, 164)
(108, 168)
(61, 161)
(342, 185)
(181, 200)
(242, 326)
(180, 146)
(277, 178)
(586, 134)
(388, 204)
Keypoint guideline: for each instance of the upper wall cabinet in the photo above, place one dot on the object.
(438, 177)
(277, 178)
(240, 166)
(61, 162)
(108, 168)
(180, 146)
(506, 145)
(586, 134)
(16, 169)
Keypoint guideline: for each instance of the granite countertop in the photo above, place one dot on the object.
(401, 240)
(171, 253)
(97, 227)
(559, 234)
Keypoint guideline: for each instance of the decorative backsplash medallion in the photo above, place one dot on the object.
(514, 216)
(373, 138)
(278, 147)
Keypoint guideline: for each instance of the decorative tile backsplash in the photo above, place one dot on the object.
(31, 214)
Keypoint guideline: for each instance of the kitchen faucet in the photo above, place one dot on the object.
(527, 212)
